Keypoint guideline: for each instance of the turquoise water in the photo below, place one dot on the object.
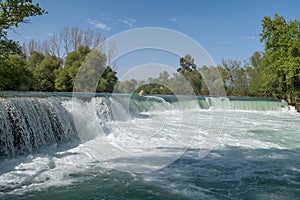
(257, 155)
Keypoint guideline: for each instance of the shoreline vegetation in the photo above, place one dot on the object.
(52, 65)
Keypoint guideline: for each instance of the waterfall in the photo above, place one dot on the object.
(218, 103)
(28, 124)
(250, 104)
(128, 106)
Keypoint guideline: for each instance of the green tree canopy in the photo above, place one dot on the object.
(66, 76)
(34, 59)
(281, 72)
(91, 64)
(45, 73)
(254, 70)
(235, 77)
(127, 86)
(14, 75)
(186, 64)
(12, 13)
(107, 81)
(189, 70)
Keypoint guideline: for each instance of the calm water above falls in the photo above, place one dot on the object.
(256, 156)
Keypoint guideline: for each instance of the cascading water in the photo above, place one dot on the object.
(256, 157)
(251, 104)
(27, 123)
(30, 123)
(222, 103)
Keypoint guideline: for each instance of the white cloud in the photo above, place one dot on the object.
(49, 34)
(248, 37)
(173, 19)
(128, 21)
(98, 24)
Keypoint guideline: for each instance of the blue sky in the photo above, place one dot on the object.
(227, 29)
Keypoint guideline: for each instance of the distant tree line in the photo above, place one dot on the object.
(40, 72)
(187, 81)
(61, 44)
(52, 65)
(274, 72)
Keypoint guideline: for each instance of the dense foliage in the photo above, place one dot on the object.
(12, 13)
(41, 72)
(40, 69)
(281, 60)
(273, 72)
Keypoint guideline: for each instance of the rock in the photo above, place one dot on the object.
(297, 106)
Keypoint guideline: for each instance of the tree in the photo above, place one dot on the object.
(281, 61)
(12, 13)
(107, 81)
(65, 35)
(66, 41)
(34, 59)
(63, 82)
(66, 76)
(254, 70)
(195, 79)
(54, 44)
(241, 82)
(235, 77)
(127, 86)
(231, 66)
(91, 69)
(14, 75)
(189, 70)
(76, 37)
(45, 74)
(212, 84)
(186, 64)
(180, 85)
(89, 64)
(163, 77)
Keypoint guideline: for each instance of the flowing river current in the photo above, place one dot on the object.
(151, 147)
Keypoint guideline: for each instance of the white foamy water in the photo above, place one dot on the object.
(256, 154)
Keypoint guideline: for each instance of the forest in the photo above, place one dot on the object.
(52, 65)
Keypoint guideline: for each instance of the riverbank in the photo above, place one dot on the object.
(293, 101)
(297, 106)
